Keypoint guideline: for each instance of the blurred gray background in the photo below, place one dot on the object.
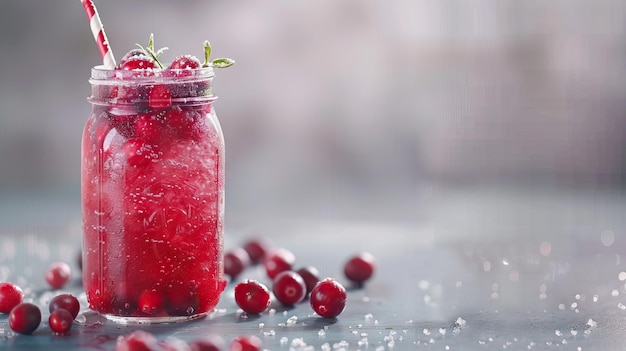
(336, 109)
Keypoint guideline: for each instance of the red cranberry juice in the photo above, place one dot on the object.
(152, 198)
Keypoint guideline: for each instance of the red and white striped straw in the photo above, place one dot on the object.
(98, 33)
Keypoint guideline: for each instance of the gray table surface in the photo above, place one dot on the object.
(477, 269)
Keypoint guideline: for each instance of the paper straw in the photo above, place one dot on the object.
(98, 33)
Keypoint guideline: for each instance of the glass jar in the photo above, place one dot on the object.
(152, 195)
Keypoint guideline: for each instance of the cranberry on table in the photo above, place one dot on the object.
(60, 321)
(212, 342)
(246, 343)
(25, 318)
(252, 297)
(278, 260)
(137, 340)
(235, 261)
(58, 274)
(66, 302)
(256, 248)
(289, 288)
(360, 268)
(328, 298)
(11, 295)
(310, 275)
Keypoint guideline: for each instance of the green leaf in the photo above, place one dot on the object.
(207, 53)
(222, 62)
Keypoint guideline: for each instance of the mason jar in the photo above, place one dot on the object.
(152, 195)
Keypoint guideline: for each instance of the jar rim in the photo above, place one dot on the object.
(101, 74)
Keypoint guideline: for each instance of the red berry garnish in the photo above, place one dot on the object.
(235, 261)
(66, 302)
(252, 297)
(60, 321)
(360, 268)
(246, 343)
(278, 260)
(138, 63)
(128, 55)
(289, 288)
(58, 274)
(185, 62)
(256, 249)
(11, 295)
(310, 275)
(150, 302)
(212, 342)
(25, 318)
(138, 340)
(328, 298)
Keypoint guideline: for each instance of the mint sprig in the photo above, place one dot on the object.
(149, 50)
(218, 62)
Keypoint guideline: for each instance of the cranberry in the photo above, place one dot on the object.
(256, 249)
(67, 302)
(150, 302)
(278, 260)
(328, 298)
(360, 267)
(212, 342)
(235, 261)
(11, 295)
(252, 296)
(246, 343)
(128, 55)
(146, 127)
(58, 274)
(60, 321)
(159, 97)
(310, 275)
(183, 301)
(185, 62)
(289, 288)
(138, 62)
(24, 318)
(138, 340)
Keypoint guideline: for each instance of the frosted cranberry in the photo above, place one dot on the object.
(310, 275)
(11, 295)
(58, 274)
(173, 344)
(211, 342)
(252, 296)
(128, 55)
(185, 62)
(138, 340)
(360, 268)
(328, 298)
(60, 321)
(25, 318)
(138, 62)
(289, 288)
(278, 260)
(159, 97)
(235, 261)
(66, 302)
(246, 343)
(256, 249)
(150, 302)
